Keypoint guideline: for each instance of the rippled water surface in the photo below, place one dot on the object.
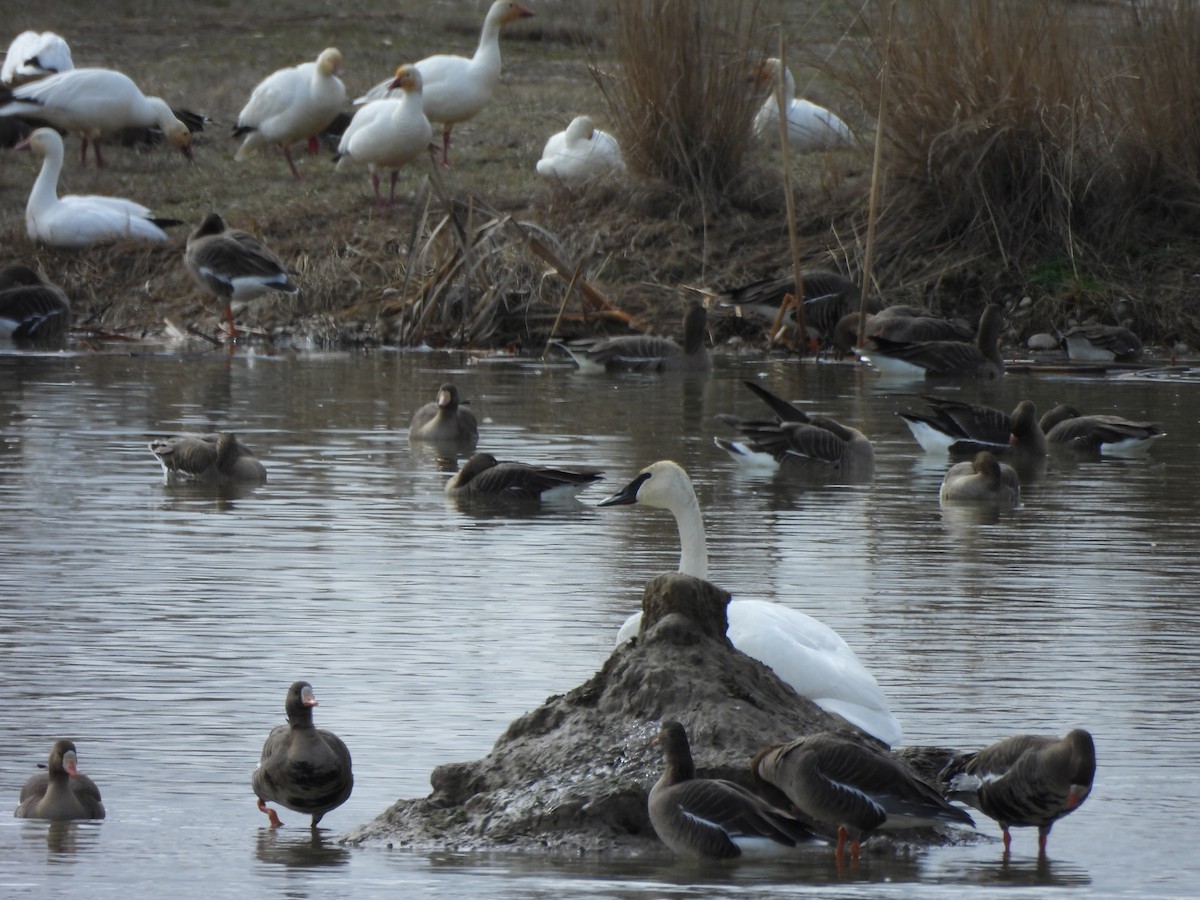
(160, 626)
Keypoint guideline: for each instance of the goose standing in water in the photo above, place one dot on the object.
(983, 479)
(32, 310)
(646, 352)
(1027, 780)
(458, 88)
(444, 420)
(62, 792)
(711, 818)
(803, 652)
(851, 788)
(292, 104)
(233, 265)
(1101, 435)
(218, 458)
(483, 476)
(303, 768)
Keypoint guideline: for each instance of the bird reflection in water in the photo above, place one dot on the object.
(306, 848)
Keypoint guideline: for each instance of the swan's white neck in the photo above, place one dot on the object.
(693, 547)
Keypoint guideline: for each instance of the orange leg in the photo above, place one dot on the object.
(287, 154)
(1007, 840)
(446, 149)
(840, 853)
(229, 318)
(275, 823)
(1043, 833)
(314, 146)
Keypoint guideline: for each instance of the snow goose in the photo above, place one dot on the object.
(388, 133)
(233, 265)
(1102, 435)
(947, 359)
(291, 105)
(983, 479)
(580, 153)
(483, 476)
(850, 787)
(304, 768)
(93, 102)
(645, 352)
(1026, 780)
(31, 309)
(952, 426)
(80, 220)
(458, 88)
(62, 792)
(32, 56)
(712, 818)
(1102, 343)
(444, 420)
(803, 652)
(220, 458)
(809, 126)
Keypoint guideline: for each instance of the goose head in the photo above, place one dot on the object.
(504, 12)
(408, 78)
(63, 759)
(45, 142)
(330, 62)
(580, 129)
(299, 703)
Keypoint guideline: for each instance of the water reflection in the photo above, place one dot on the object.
(304, 848)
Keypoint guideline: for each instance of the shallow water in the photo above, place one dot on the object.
(160, 626)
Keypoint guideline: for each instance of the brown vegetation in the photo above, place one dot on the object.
(1046, 149)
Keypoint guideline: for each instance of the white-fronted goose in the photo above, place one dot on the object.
(1104, 435)
(851, 788)
(32, 310)
(33, 55)
(389, 133)
(233, 265)
(809, 127)
(1027, 780)
(218, 457)
(898, 323)
(62, 792)
(828, 297)
(711, 818)
(579, 153)
(292, 104)
(80, 220)
(1102, 343)
(484, 476)
(645, 352)
(952, 426)
(304, 768)
(947, 359)
(458, 88)
(803, 652)
(93, 102)
(444, 420)
(983, 479)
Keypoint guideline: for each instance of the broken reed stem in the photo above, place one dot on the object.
(876, 166)
(790, 203)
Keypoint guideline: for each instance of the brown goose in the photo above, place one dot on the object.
(32, 310)
(233, 265)
(1027, 780)
(484, 476)
(710, 818)
(951, 426)
(1104, 435)
(303, 767)
(1102, 343)
(444, 420)
(983, 479)
(219, 457)
(62, 792)
(851, 788)
(828, 297)
(898, 323)
(646, 352)
(949, 359)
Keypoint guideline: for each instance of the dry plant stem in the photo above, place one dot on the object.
(876, 166)
(797, 297)
(562, 306)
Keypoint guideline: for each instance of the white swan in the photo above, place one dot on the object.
(74, 220)
(580, 152)
(805, 653)
(458, 88)
(92, 102)
(292, 104)
(32, 56)
(388, 134)
(810, 127)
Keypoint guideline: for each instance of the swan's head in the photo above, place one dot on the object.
(504, 12)
(408, 78)
(663, 484)
(330, 61)
(580, 129)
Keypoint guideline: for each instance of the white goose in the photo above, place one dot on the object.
(388, 134)
(32, 56)
(804, 652)
(458, 88)
(580, 152)
(92, 102)
(292, 104)
(810, 127)
(80, 220)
